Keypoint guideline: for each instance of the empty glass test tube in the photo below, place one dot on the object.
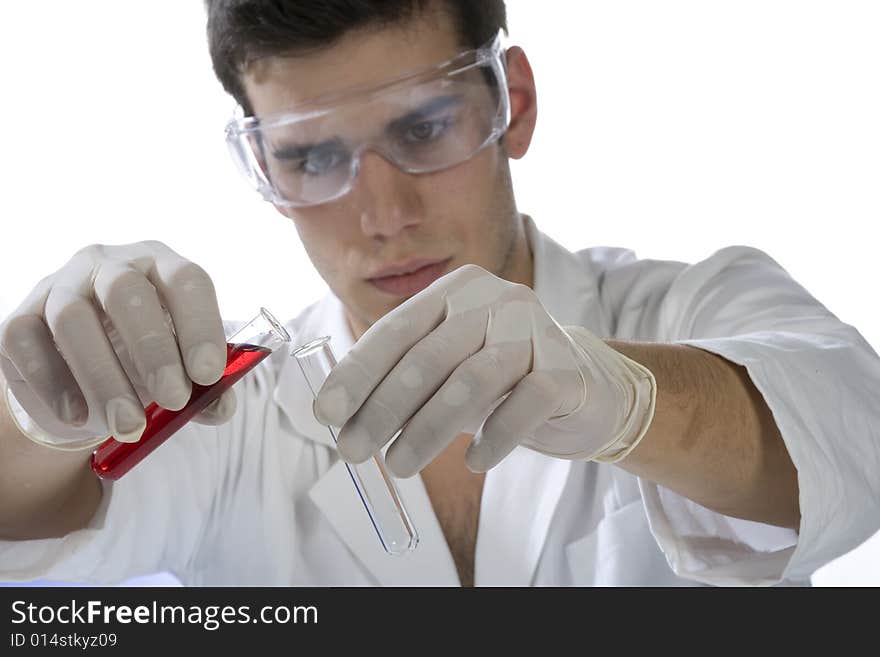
(373, 483)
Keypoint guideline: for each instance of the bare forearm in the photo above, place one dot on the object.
(713, 438)
(43, 492)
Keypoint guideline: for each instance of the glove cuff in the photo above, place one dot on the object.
(642, 398)
(37, 434)
(641, 414)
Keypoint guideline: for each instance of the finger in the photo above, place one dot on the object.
(32, 359)
(374, 355)
(410, 383)
(10, 372)
(219, 411)
(132, 305)
(188, 293)
(79, 334)
(466, 395)
(392, 336)
(531, 403)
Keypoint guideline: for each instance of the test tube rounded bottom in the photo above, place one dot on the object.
(371, 479)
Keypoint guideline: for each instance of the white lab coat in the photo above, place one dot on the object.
(263, 500)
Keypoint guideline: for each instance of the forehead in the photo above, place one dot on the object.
(360, 58)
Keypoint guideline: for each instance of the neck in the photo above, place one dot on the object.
(519, 266)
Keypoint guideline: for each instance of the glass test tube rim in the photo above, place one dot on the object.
(310, 347)
(281, 332)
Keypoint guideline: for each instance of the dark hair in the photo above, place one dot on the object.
(240, 31)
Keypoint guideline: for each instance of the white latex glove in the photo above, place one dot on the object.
(93, 344)
(440, 362)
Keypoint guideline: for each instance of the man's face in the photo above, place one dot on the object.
(420, 226)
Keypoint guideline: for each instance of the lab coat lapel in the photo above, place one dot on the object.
(334, 492)
(430, 564)
(521, 494)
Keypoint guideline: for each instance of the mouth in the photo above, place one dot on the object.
(410, 277)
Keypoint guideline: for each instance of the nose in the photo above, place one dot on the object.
(388, 198)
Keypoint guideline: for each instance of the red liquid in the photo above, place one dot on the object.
(113, 459)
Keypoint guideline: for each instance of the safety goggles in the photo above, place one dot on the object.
(423, 122)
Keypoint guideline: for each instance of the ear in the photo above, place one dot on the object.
(523, 103)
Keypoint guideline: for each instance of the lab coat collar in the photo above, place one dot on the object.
(565, 283)
(520, 495)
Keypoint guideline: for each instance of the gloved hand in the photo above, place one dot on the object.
(93, 344)
(441, 361)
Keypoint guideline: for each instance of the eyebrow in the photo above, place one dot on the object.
(300, 152)
(425, 111)
(440, 103)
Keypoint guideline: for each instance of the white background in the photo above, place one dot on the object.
(673, 128)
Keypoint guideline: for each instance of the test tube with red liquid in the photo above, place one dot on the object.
(245, 349)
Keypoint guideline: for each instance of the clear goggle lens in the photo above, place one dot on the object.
(423, 123)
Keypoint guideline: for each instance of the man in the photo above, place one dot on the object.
(564, 418)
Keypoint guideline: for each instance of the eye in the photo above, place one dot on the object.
(320, 160)
(425, 131)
